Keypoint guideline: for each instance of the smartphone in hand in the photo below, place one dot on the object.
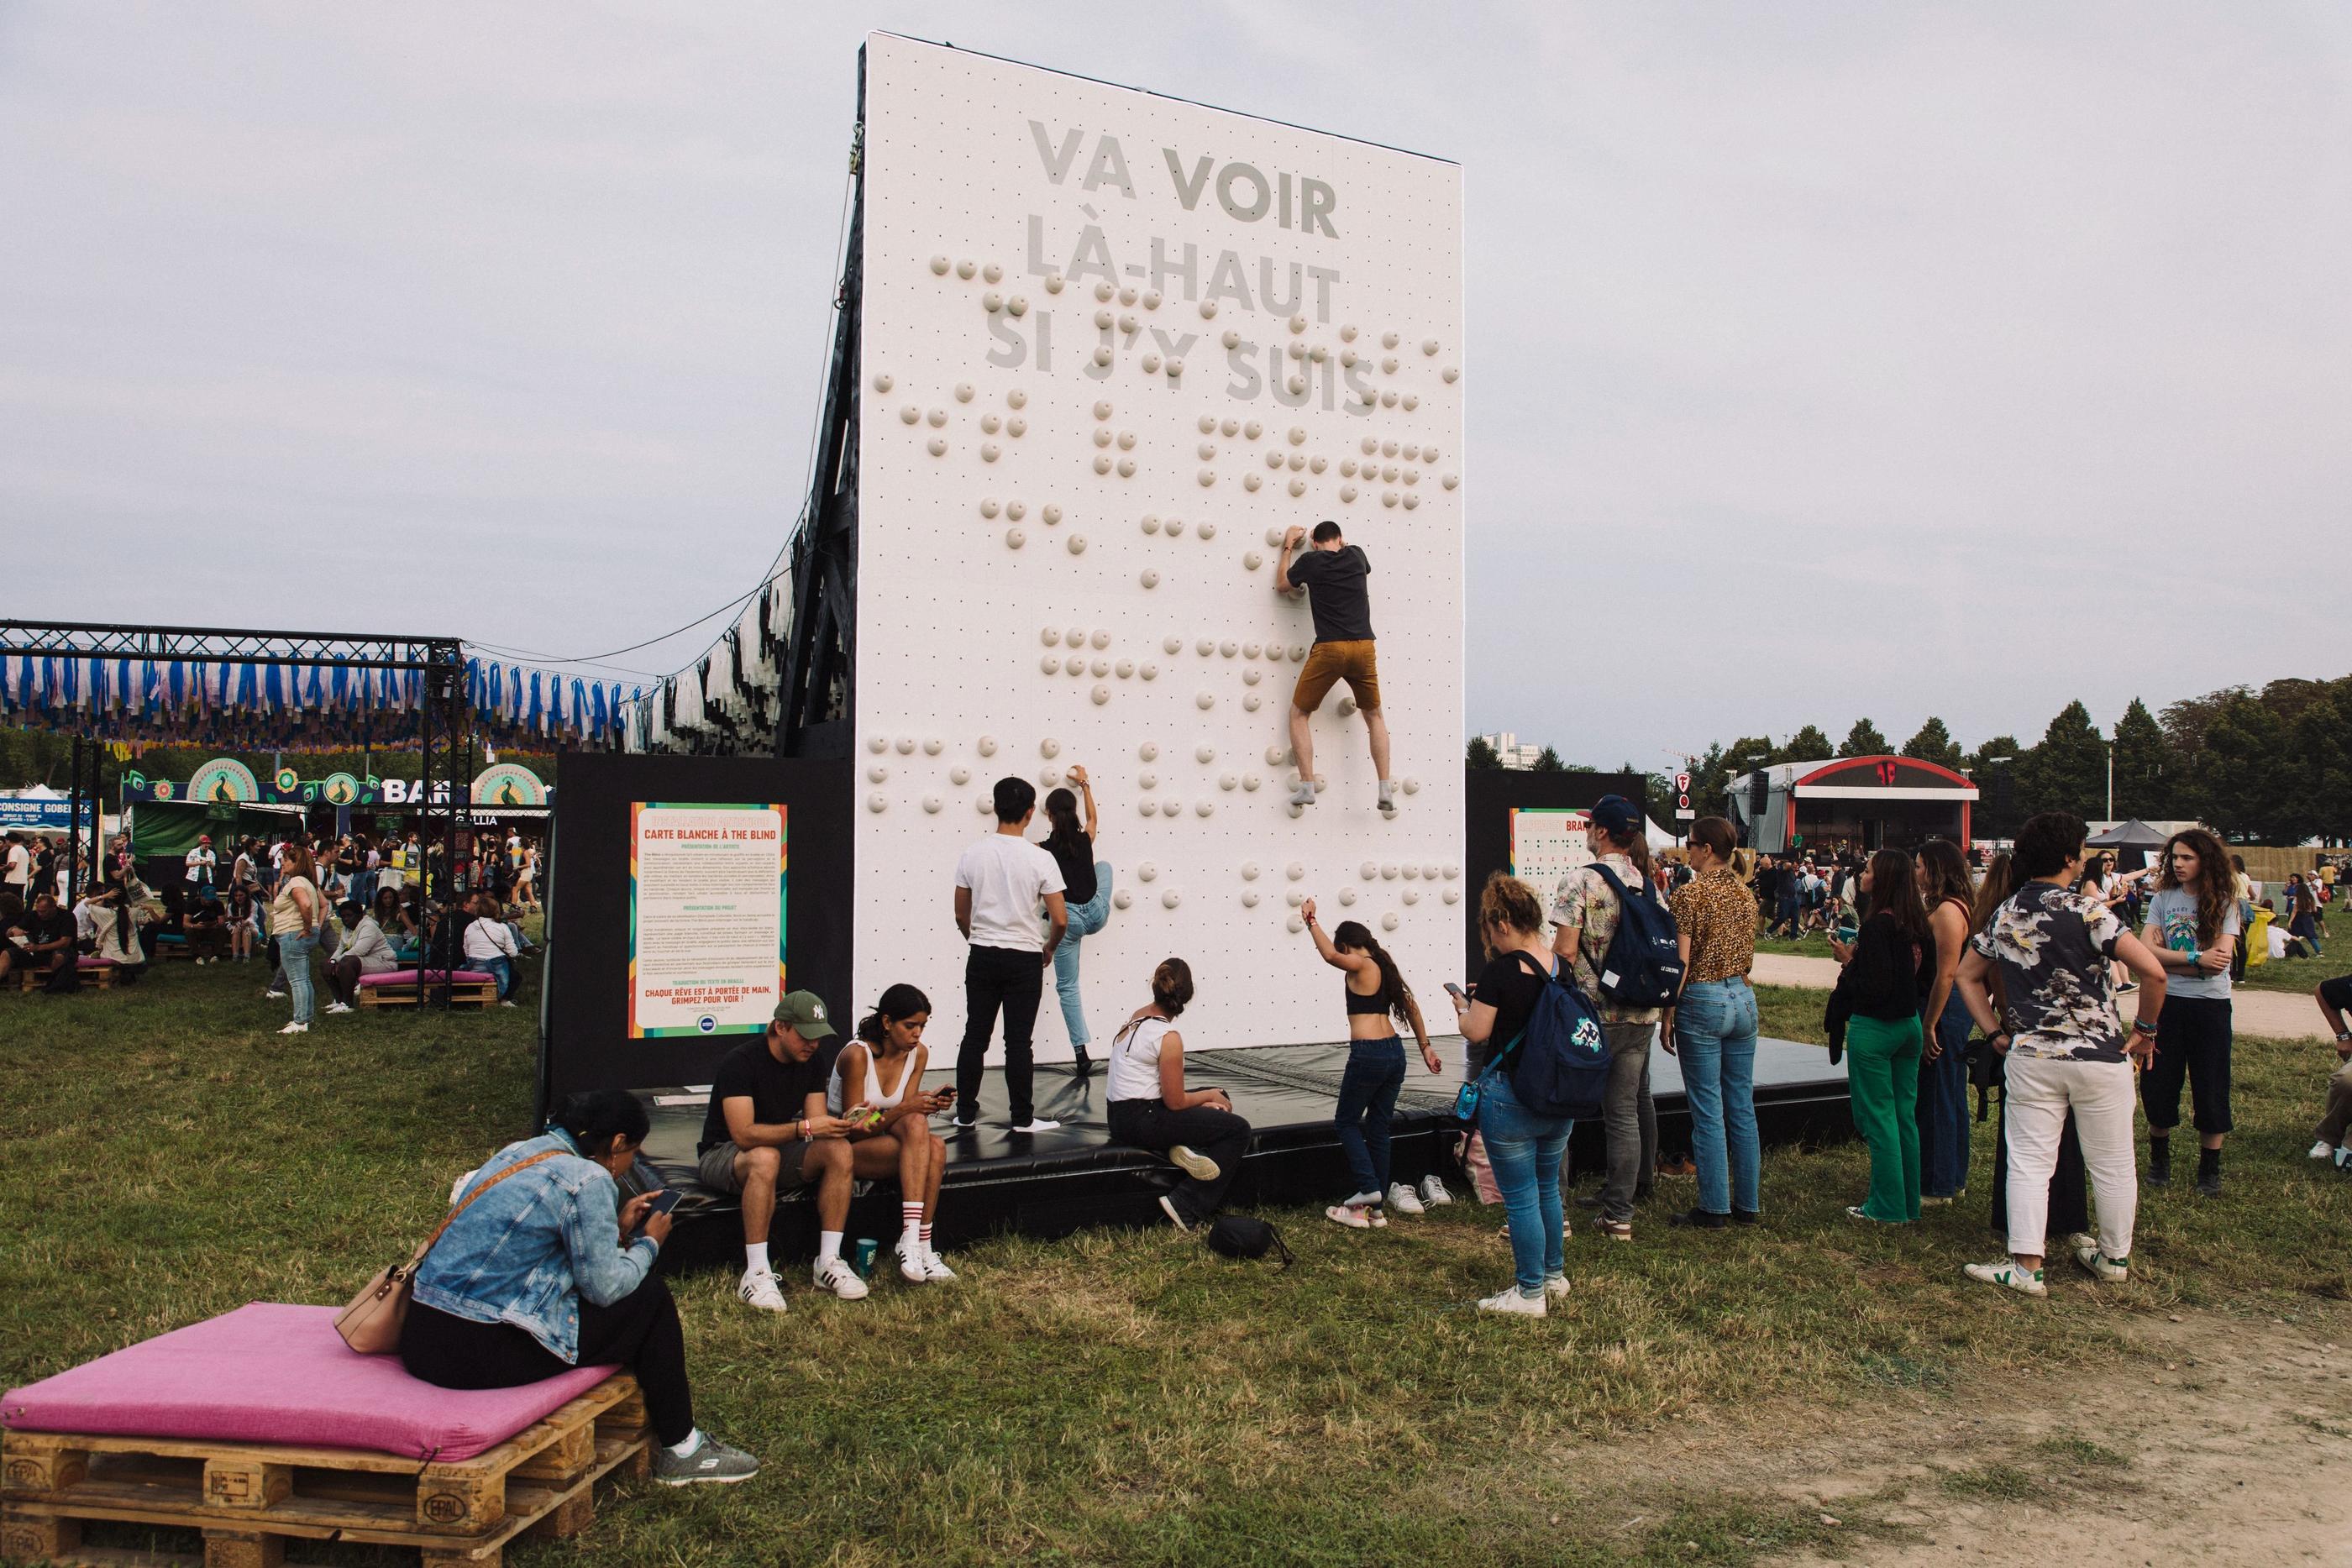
(1457, 993)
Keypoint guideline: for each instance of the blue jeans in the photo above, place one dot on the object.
(1368, 1097)
(502, 968)
(294, 957)
(1943, 1113)
(1086, 919)
(1715, 1039)
(1524, 1149)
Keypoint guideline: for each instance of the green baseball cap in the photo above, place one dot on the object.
(803, 1011)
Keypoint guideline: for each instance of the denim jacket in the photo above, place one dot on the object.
(534, 1245)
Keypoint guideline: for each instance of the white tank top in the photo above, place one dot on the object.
(1135, 1061)
(881, 1102)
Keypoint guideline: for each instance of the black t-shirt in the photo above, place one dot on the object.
(778, 1090)
(34, 929)
(1511, 983)
(1335, 582)
(1076, 859)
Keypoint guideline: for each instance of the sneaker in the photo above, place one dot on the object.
(1194, 1164)
(1700, 1219)
(273, 996)
(1388, 799)
(1303, 794)
(964, 1126)
(1363, 1201)
(1403, 1200)
(1617, 1229)
(1081, 1064)
(1175, 1215)
(2115, 1270)
(2008, 1271)
(935, 1268)
(296, 1028)
(505, 1004)
(337, 1008)
(2344, 1158)
(2209, 1184)
(2160, 1162)
(1855, 1211)
(1037, 1124)
(910, 1263)
(1511, 1303)
(1555, 1287)
(759, 1288)
(1347, 1215)
(711, 1460)
(834, 1274)
(2323, 1150)
(1931, 1200)
(1378, 1216)
(1433, 1193)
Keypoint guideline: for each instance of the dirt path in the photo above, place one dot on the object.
(2273, 1015)
(2214, 1440)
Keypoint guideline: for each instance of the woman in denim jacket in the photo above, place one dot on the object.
(536, 1279)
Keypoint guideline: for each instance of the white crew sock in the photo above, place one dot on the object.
(828, 1248)
(686, 1449)
(755, 1257)
(911, 1215)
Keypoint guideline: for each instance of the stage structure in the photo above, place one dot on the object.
(1100, 349)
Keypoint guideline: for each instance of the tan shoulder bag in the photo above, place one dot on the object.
(371, 1324)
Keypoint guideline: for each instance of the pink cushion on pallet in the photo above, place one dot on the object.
(269, 1373)
(89, 961)
(433, 976)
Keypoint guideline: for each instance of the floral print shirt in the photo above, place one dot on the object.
(1583, 904)
(2052, 947)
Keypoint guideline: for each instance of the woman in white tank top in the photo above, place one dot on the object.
(1149, 1108)
(883, 1068)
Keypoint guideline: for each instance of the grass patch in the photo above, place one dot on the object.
(2081, 1453)
(1994, 1483)
(1121, 1396)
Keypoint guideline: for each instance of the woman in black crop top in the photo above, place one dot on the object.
(1378, 1000)
(1888, 973)
(1085, 892)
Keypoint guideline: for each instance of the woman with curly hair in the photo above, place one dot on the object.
(2192, 928)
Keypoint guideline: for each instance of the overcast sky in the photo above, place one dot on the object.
(1827, 359)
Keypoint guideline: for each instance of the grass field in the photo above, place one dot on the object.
(1118, 1397)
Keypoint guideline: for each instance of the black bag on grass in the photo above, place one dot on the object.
(1241, 1235)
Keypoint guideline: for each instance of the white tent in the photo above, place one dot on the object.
(1659, 838)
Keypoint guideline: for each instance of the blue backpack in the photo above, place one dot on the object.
(1559, 1062)
(1644, 966)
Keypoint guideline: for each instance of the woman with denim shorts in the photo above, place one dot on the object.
(1523, 1148)
(1712, 1029)
(1378, 1000)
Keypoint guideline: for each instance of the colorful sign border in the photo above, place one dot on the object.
(784, 907)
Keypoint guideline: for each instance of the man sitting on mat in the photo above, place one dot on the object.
(767, 1128)
(1337, 572)
(362, 951)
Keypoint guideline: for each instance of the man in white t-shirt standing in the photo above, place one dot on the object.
(19, 869)
(202, 866)
(1000, 883)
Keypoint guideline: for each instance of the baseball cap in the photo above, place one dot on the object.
(1616, 816)
(203, 838)
(803, 1011)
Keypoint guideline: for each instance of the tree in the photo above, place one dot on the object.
(1935, 744)
(1863, 740)
(2234, 784)
(1997, 814)
(2146, 772)
(2315, 771)
(2068, 770)
(1482, 755)
(1710, 790)
(1808, 745)
(1548, 761)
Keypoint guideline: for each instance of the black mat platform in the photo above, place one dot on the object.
(1051, 1184)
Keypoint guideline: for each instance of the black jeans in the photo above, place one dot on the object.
(1220, 1135)
(640, 1331)
(1015, 981)
(2192, 1043)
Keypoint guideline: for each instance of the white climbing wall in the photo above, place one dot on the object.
(1114, 345)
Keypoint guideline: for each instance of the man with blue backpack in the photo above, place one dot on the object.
(1620, 937)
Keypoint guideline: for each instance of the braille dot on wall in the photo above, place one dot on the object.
(1295, 923)
(1429, 345)
(1297, 652)
(1051, 514)
(1102, 410)
(1453, 895)
(1297, 461)
(1229, 427)
(1229, 781)
(1451, 375)
(906, 745)
(1451, 480)
(1053, 282)
(1250, 782)
(1229, 647)
(932, 804)
(1388, 873)
(985, 806)
(1389, 922)
(959, 775)
(882, 383)
(1388, 367)
(1317, 354)
(1015, 510)
(1126, 667)
(1249, 898)
(1170, 645)
(1274, 459)
(990, 451)
(1148, 871)
(877, 743)
(1348, 359)
(1294, 898)
(1387, 497)
(1388, 400)
(940, 265)
(1127, 467)
(1101, 695)
(1295, 386)
(1204, 699)
(987, 747)
(1051, 663)
(933, 746)
(1147, 806)
(1014, 539)
(1122, 898)
(1147, 780)
(1102, 464)
(1016, 398)
(992, 273)
(1175, 369)
(1347, 492)
(1453, 871)
(1413, 785)
(910, 414)
(1102, 356)
(1410, 502)
(1276, 756)
(1347, 333)
(1148, 671)
(1317, 464)
(1150, 578)
(991, 301)
(1389, 473)
(1410, 402)
(938, 416)
(1051, 636)
(1205, 646)
(1150, 363)
(1348, 895)
(1017, 306)
(1252, 702)
(1174, 527)
(1412, 874)
(1208, 450)
(878, 802)
(1297, 350)
(1429, 454)
(1252, 560)
(988, 423)
(1388, 339)
(1251, 481)
(1103, 291)
(988, 508)
(1298, 487)
(1128, 324)
(878, 774)
(1208, 308)
(1253, 430)
(1101, 639)
(1151, 299)
(1150, 525)
(1346, 707)
(1127, 297)
(965, 268)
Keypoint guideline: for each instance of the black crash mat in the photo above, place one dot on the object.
(1053, 1183)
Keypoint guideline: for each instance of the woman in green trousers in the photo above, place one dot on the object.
(1887, 974)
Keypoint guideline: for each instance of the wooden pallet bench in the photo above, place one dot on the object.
(472, 988)
(96, 977)
(251, 1500)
